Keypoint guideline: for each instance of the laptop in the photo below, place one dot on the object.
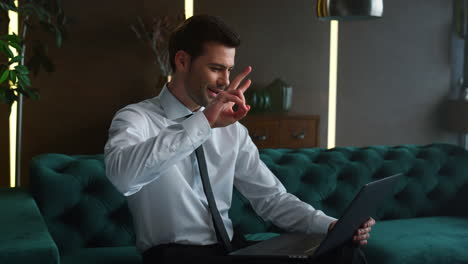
(308, 247)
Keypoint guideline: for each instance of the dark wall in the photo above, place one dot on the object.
(393, 75)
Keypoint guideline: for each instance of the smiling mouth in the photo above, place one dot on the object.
(214, 92)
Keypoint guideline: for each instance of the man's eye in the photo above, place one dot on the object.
(216, 69)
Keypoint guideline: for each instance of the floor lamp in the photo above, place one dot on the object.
(15, 119)
(335, 11)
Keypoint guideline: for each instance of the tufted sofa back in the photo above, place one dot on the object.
(435, 176)
(82, 209)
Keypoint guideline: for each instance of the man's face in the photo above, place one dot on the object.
(209, 73)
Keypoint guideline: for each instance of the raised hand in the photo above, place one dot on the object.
(220, 112)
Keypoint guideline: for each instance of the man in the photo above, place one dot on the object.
(150, 154)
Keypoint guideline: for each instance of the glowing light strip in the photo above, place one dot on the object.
(13, 118)
(13, 28)
(333, 79)
(188, 9)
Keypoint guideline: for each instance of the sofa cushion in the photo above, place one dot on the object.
(103, 255)
(419, 240)
(81, 208)
(24, 237)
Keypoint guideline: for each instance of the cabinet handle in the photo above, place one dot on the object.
(300, 135)
(262, 137)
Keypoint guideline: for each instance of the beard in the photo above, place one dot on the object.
(201, 91)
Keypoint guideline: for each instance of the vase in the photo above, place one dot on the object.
(281, 95)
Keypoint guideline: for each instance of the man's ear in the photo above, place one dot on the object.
(182, 61)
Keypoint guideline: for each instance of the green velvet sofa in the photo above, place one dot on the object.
(425, 220)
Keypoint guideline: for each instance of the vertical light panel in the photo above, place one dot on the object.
(13, 29)
(332, 89)
(188, 9)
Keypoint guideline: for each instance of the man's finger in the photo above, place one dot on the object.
(226, 97)
(245, 86)
(370, 222)
(238, 79)
(239, 94)
(361, 237)
(364, 230)
(241, 112)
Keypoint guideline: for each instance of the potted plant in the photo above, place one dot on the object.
(15, 71)
(47, 14)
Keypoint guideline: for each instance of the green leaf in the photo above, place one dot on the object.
(4, 76)
(21, 83)
(15, 59)
(12, 38)
(5, 48)
(23, 80)
(16, 46)
(9, 52)
(22, 69)
(13, 77)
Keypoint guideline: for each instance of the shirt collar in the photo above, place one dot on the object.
(173, 108)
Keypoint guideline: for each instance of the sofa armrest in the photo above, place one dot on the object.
(24, 236)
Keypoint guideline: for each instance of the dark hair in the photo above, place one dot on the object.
(194, 32)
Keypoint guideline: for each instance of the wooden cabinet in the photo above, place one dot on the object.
(283, 131)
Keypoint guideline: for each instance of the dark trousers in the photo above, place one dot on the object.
(177, 253)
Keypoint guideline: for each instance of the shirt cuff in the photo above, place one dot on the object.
(323, 222)
(198, 128)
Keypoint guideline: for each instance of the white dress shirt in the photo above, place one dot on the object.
(150, 158)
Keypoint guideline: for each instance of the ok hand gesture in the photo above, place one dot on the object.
(220, 112)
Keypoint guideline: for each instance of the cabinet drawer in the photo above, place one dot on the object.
(298, 133)
(264, 133)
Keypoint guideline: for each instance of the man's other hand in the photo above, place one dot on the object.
(362, 234)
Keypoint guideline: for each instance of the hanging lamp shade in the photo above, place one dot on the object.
(349, 9)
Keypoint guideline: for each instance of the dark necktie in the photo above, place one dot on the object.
(220, 229)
